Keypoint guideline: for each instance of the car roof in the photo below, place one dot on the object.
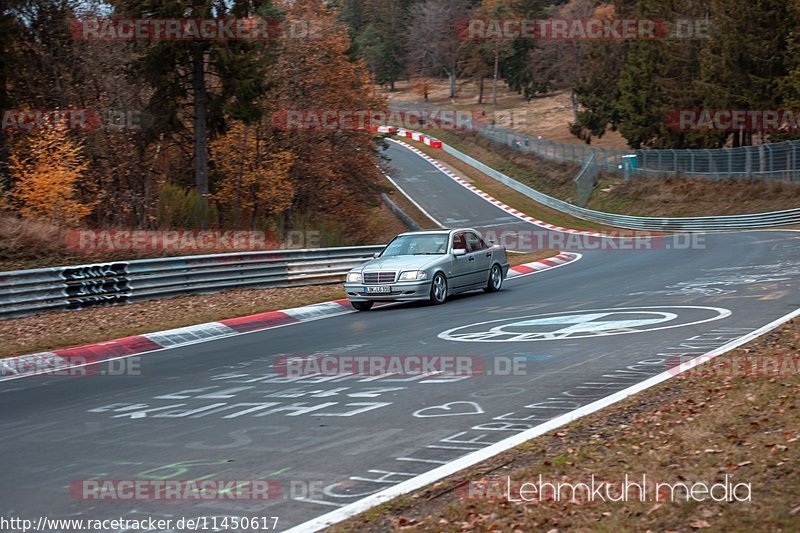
(436, 231)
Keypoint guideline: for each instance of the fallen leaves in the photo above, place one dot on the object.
(696, 430)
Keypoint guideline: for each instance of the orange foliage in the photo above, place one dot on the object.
(47, 178)
(255, 179)
(334, 172)
(605, 11)
(422, 87)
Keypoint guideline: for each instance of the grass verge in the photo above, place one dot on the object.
(733, 417)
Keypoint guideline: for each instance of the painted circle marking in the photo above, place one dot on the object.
(498, 393)
(591, 323)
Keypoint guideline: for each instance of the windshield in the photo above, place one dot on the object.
(429, 244)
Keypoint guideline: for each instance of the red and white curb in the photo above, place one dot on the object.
(519, 214)
(433, 142)
(561, 259)
(57, 361)
(410, 134)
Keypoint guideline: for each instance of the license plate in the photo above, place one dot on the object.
(382, 288)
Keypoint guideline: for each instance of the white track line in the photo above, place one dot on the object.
(474, 458)
(396, 186)
(438, 165)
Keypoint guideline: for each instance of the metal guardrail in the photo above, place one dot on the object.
(698, 224)
(399, 213)
(29, 292)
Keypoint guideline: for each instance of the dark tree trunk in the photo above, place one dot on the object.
(451, 75)
(574, 106)
(495, 75)
(200, 121)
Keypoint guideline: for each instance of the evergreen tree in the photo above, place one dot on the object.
(202, 79)
(378, 29)
(790, 84)
(519, 76)
(747, 56)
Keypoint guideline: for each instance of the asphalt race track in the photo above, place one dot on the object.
(219, 410)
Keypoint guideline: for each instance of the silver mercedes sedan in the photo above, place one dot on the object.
(427, 265)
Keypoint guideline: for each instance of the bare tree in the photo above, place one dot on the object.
(485, 56)
(557, 64)
(434, 44)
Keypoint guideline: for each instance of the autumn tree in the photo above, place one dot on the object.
(255, 181)
(595, 87)
(422, 87)
(41, 65)
(8, 62)
(557, 64)
(334, 173)
(633, 86)
(790, 84)
(47, 177)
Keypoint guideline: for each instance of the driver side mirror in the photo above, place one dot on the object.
(458, 252)
(376, 255)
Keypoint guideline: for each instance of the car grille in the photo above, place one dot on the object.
(379, 277)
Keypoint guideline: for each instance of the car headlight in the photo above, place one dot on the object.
(412, 275)
(353, 277)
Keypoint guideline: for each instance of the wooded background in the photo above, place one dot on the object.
(206, 152)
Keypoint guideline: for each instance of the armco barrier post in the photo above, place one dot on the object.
(629, 165)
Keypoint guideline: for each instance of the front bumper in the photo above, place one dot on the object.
(402, 291)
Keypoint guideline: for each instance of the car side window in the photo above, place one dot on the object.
(459, 241)
(474, 242)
